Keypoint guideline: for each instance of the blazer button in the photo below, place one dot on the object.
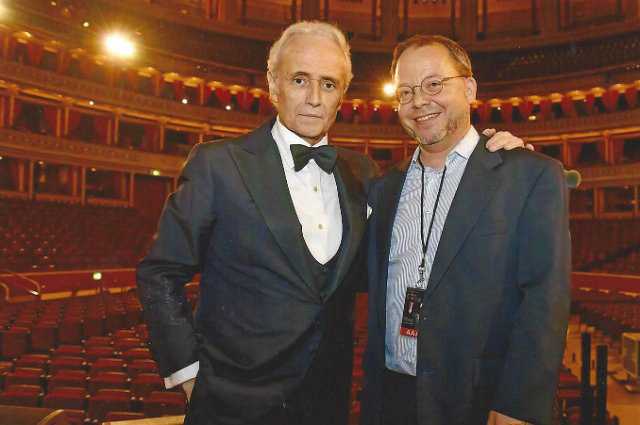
(323, 269)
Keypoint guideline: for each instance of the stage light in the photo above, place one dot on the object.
(185, 101)
(86, 24)
(40, 162)
(532, 118)
(93, 170)
(155, 173)
(389, 89)
(1, 158)
(228, 107)
(97, 276)
(91, 102)
(119, 45)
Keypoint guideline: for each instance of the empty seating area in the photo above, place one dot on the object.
(44, 236)
(87, 355)
(611, 312)
(606, 245)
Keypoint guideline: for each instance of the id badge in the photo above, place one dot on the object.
(411, 312)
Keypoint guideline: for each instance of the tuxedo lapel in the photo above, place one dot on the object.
(260, 166)
(354, 214)
(476, 189)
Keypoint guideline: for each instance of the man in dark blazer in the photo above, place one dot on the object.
(273, 221)
(469, 263)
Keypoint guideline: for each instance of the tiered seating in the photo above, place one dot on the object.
(98, 364)
(597, 243)
(613, 313)
(44, 236)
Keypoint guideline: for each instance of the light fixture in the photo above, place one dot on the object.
(93, 170)
(228, 107)
(86, 24)
(91, 102)
(119, 45)
(155, 173)
(532, 118)
(1, 158)
(185, 101)
(389, 89)
(97, 276)
(40, 162)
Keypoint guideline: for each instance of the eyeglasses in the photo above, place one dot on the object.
(430, 86)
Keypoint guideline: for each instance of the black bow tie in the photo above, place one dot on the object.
(325, 156)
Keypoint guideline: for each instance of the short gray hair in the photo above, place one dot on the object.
(318, 28)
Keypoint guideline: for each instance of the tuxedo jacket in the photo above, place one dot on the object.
(493, 323)
(256, 328)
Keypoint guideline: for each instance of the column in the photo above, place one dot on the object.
(116, 129)
(163, 123)
(13, 91)
(310, 9)
(22, 170)
(75, 181)
(228, 11)
(83, 185)
(31, 182)
(469, 21)
(390, 21)
(132, 187)
(66, 106)
(549, 22)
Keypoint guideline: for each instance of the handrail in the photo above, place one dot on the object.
(36, 284)
(7, 291)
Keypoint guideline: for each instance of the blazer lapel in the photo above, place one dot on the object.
(476, 188)
(354, 214)
(387, 207)
(260, 166)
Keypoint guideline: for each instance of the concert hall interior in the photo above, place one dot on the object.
(101, 101)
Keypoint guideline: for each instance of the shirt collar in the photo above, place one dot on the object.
(285, 138)
(463, 149)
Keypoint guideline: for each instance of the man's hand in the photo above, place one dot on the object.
(504, 140)
(187, 386)
(496, 418)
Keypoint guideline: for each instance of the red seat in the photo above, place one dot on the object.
(109, 400)
(125, 333)
(145, 383)
(108, 365)
(33, 360)
(14, 342)
(142, 366)
(66, 398)
(108, 380)
(136, 353)
(44, 336)
(26, 376)
(75, 416)
(70, 330)
(123, 416)
(98, 341)
(164, 403)
(22, 395)
(94, 353)
(93, 325)
(68, 378)
(69, 350)
(123, 344)
(66, 362)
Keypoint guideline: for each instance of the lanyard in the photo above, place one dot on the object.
(425, 243)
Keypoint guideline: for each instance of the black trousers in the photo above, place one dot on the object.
(399, 399)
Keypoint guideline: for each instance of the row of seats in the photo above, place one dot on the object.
(613, 313)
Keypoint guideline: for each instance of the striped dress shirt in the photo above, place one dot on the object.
(405, 253)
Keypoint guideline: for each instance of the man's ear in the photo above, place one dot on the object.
(273, 88)
(470, 88)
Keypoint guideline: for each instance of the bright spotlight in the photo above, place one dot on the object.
(228, 107)
(97, 276)
(119, 45)
(155, 173)
(86, 24)
(185, 101)
(389, 89)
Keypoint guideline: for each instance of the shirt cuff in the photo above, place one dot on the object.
(181, 376)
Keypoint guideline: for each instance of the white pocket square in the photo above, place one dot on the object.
(369, 210)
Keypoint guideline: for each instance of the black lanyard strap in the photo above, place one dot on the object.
(425, 243)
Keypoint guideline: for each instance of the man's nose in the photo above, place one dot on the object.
(314, 94)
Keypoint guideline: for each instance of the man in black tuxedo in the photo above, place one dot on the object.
(469, 263)
(273, 221)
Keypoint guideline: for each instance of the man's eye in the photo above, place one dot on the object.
(299, 81)
(328, 85)
(433, 84)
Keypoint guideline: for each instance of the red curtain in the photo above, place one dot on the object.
(245, 100)
(101, 125)
(224, 96)
(366, 113)
(346, 110)
(35, 52)
(132, 79)
(610, 99)
(86, 66)
(207, 94)
(74, 121)
(17, 110)
(51, 118)
(484, 112)
(265, 107)
(506, 110)
(567, 106)
(545, 109)
(386, 113)
(12, 47)
(14, 173)
(589, 101)
(525, 109)
(574, 152)
(63, 61)
(601, 147)
(178, 89)
(618, 149)
(631, 95)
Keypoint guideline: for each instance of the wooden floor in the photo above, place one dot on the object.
(620, 402)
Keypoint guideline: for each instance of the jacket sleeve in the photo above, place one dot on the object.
(174, 258)
(529, 378)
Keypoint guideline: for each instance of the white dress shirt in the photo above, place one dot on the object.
(315, 198)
